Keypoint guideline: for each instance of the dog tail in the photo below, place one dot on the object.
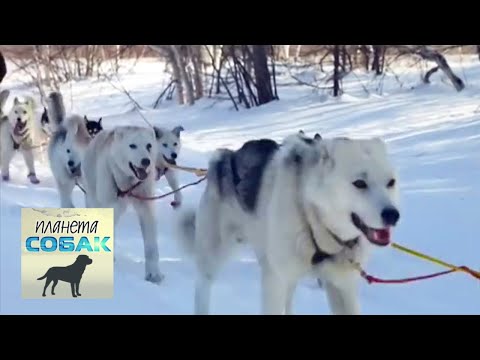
(186, 231)
(56, 108)
(43, 277)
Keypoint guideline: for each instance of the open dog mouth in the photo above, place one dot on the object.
(139, 172)
(19, 127)
(76, 171)
(170, 161)
(379, 237)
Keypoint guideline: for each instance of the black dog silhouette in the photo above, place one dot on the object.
(71, 274)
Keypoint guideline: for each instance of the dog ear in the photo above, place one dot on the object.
(31, 102)
(317, 137)
(85, 118)
(99, 121)
(158, 132)
(16, 101)
(177, 130)
(301, 132)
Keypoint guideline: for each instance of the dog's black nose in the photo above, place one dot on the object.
(145, 162)
(19, 119)
(390, 216)
(71, 163)
(174, 155)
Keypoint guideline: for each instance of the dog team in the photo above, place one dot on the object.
(309, 206)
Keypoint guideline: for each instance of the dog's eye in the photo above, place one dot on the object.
(24, 112)
(165, 145)
(360, 184)
(391, 183)
(68, 151)
(175, 144)
(149, 146)
(16, 112)
(133, 146)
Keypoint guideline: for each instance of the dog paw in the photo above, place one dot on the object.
(33, 179)
(5, 177)
(154, 278)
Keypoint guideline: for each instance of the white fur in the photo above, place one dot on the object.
(23, 111)
(169, 145)
(278, 230)
(106, 169)
(66, 155)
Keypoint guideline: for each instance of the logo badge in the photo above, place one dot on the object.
(67, 253)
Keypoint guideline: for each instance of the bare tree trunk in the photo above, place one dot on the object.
(189, 98)
(38, 77)
(336, 70)
(117, 58)
(262, 74)
(433, 55)
(426, 78)
(297, 53)
(377, 55)
(3, 67)
(366, 56)
(196, 56)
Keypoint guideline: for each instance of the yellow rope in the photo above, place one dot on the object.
(203, 172)
(430, 258)
(196, 171)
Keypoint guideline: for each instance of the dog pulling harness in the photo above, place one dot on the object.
(321, 255)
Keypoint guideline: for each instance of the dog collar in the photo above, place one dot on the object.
(320, 255)
(121, 193)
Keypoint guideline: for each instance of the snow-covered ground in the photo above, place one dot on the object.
(434, 136)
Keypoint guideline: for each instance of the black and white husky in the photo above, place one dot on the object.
(309, 207)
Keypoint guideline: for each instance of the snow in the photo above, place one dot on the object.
(433, 134)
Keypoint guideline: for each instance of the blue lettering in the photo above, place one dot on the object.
(29, 246)
(84, 244)
(102, 243)
(66, 244)
(43, 244)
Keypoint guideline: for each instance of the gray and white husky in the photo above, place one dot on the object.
(309, 207)
(67, 145)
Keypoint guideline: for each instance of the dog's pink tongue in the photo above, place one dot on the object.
(382, 236)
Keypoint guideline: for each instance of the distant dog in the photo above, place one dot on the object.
(309, 207)
(120, 161)
(67, 145)
(169, 145)
(19, 132)
(71, 274)
(93, 126)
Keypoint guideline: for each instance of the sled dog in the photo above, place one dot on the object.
(169, 144)
(67, 145)
(309, 207)
(120, 162)
(18, 132)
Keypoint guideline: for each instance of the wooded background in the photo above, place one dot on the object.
(243, 74)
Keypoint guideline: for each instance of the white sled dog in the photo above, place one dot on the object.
(120, 161)
(18, 131)
(68, 143)
(308, 207)
(169, 145)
